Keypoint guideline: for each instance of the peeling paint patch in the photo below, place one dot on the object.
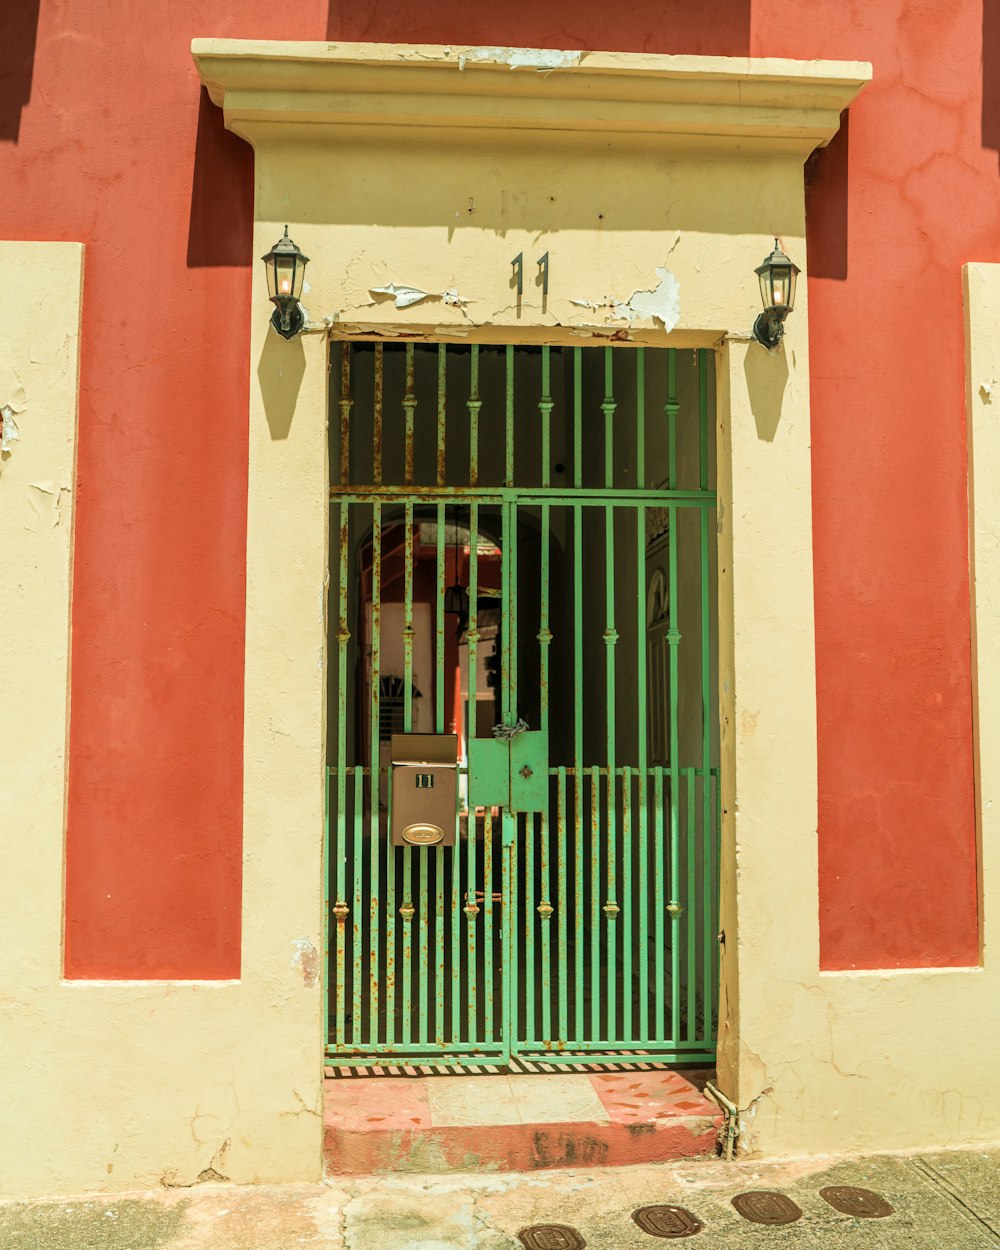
(47, 499)
(12, 393)
(306, 961)
(406, 296)
(9, 433)
(522, 58)
(660, 303)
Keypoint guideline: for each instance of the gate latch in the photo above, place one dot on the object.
(510, 771)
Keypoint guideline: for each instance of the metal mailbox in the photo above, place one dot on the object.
(424, 803)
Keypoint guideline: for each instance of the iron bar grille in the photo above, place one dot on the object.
(524, 533)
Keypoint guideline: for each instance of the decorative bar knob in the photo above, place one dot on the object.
(545, 910)
(407, 911)
(611, 909)
(675, 910)
(340, 909)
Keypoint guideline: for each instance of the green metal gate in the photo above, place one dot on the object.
(523, 554)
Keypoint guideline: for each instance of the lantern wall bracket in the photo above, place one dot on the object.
(769, 330)
(288, 322)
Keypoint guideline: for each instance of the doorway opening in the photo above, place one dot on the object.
(523, 556)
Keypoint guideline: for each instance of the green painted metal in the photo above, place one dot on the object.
(538, 546)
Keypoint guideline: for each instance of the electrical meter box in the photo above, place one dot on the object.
(424, 802)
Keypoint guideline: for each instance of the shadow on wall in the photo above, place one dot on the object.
(826, 205)
(767, 376)
(18, 32)
(706, 27)
(220, 230)
(280, 371)
(991, 74)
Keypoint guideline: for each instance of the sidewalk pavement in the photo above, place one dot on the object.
(945, 1201)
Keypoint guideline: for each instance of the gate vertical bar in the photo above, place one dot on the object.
(628, 907)
(579, 902)
(438, 853)
(611, 906)
(472, 637)
(659, 910)
(376, 414)
(673, 639)
(508, 680)
(508, 478)
(708, 869)
(488, 953)
(595, 900)
(407, 909)
(642, 780)
(326, 909)
(562, 904)
(692, 908)
(545, 406)
(358, 907)
(409, 406)
(375, 833)
(439, 724)
(343, 636)
(474, 405)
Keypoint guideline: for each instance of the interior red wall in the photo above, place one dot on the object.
(104, 138)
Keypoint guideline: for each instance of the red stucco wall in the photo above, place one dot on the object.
(104, 138)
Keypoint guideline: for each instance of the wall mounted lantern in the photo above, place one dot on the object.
(286, 271)
(777, 277)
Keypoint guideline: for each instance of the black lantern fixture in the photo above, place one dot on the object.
(286, 271)
(777, 277)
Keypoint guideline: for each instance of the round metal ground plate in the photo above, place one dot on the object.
(851, 1200)
(764, 1206)
(550, 1237)
(667, 1221)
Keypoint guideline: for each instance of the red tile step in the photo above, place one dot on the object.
(514, 1123)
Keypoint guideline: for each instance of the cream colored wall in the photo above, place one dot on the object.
(849, 1060)
(119, 1086)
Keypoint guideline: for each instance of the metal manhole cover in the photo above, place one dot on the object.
(667, 1221)
(764, 1206)
(550, 1237)
(850, 1200)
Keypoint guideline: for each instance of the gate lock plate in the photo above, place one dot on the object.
(510, 772)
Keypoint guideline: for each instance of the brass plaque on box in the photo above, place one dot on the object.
(424, 795)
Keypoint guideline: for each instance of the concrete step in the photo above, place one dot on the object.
(514, 1123)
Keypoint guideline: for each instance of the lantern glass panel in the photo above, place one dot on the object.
(287, 276)
(269, 270)
(780, 276)
(792, 276)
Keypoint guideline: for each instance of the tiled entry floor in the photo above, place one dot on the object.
(514, 1123)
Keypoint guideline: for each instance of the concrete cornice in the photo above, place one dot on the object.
(309, 90)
